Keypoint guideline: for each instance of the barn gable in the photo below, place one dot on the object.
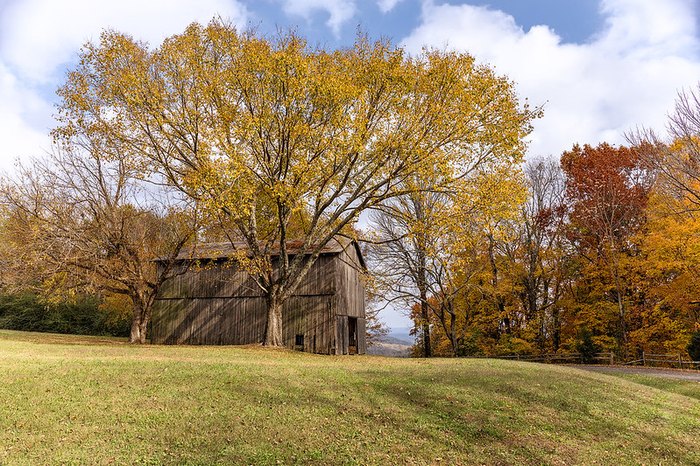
(217, 303)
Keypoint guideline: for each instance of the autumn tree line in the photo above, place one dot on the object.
(221, 135)
(598, 248)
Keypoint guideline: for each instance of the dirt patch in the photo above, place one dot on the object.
(650, 371)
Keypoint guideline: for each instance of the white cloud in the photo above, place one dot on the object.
(627, 75)
(387, 5)
(339, 11)
(39, 37)
(650, 26)
(24, 120)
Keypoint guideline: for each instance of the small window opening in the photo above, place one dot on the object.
(299, 340)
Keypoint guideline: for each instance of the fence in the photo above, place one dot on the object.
(609, 358)
(664, 360)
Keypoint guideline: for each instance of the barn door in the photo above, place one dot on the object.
(352, 335)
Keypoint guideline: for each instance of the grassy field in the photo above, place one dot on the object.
(682, 387)
(81, 400)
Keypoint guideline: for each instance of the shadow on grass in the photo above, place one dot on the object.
(254, 407)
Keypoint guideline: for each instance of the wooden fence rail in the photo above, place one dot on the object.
(647, 359)
(664, 360)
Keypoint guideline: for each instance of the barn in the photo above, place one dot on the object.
(214, 302)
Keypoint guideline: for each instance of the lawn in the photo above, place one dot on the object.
(85, 400)
(687, 388)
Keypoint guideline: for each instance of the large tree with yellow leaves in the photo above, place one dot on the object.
(269, 132)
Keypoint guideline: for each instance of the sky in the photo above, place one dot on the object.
(598, 67)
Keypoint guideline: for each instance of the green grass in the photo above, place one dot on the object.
(81, 400)
(687, 388)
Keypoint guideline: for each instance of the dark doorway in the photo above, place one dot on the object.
(352, 335)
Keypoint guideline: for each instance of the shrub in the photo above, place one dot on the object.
(82, 316)
(586, 347)
(510, 345)
(694, 346)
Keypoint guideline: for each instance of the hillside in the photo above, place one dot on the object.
(389, 349)
(90, 400)
(395, 346)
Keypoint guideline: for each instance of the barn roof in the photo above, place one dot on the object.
(224, 250)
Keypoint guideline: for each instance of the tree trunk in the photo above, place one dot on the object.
(139, 324)
(142, 303)
(623, 322)
(500, 305)
(453, 334)
(424, 307)
(556, 332)
(425, 318)
(619, 294)
(422, 275)
(273, 332)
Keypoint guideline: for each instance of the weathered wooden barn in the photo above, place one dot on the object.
(215, 302)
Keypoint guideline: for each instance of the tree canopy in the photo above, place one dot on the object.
(264, 133)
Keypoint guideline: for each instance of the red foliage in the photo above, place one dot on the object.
(607, 188)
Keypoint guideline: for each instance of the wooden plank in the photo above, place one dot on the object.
(349, 285)
(361, 336)
(342, 335)
(220, 304)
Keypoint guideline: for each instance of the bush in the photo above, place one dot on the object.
(84, 316)
(586, 347)
(694, 346)
(469, 345)
(509, 345)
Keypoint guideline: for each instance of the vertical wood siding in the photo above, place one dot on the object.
(218, 304)
(350, 285)
(361, 336)
(349, 300)
(341, 335)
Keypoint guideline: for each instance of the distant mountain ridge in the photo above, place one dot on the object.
(401, 334)
(395, 340)
(397, 344)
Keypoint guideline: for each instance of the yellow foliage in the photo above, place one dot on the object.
(117, 308)
(266, 129)
(278, 138)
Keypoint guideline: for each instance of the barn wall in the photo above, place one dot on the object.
(312, 318)
(218, 304)
(361, 336)
(341, 335)
(350, 285)
(231, 321)
(349, 300)
(207, 321)
(222, 279)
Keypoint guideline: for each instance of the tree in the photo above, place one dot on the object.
(694, 347)
(80, 221)
(259, 131)
(607, 189)
(401, 253)
(427, 247)
(586, 347)
(539, 258)
(668, 274)
(671, 245)
(676, 161)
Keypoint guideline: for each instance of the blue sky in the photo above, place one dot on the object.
(573, 20)
(599, 67)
